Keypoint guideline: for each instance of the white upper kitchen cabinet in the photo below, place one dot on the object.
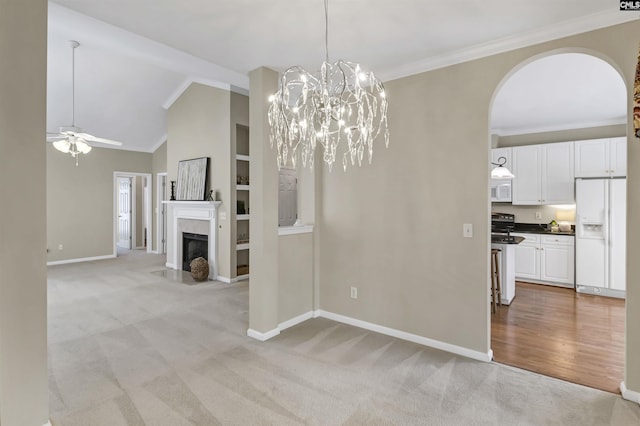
(558, 173)
(525, 186)
(601, 157)
(544, 174)
(618, 157)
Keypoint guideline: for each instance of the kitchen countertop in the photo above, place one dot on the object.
(504, 239)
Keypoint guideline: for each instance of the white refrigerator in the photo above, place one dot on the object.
(601, 206)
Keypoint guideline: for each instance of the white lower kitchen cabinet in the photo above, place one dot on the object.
(528, 257)
(546, 259)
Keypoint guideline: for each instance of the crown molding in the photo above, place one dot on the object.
(553, 32)
(188, 82)
(158, 144)
(558, 128)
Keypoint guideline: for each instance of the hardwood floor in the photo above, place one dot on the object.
(560, 333)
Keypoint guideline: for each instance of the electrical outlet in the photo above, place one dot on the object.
(354, 292)
(467, 230)
(538, 216)
(60, 247)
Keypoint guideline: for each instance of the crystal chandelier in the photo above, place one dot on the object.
(341, 107)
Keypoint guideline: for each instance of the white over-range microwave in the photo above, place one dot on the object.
(501, 190)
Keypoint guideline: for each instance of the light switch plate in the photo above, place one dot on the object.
(467, 230)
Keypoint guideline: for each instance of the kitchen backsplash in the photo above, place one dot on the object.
(527, 214)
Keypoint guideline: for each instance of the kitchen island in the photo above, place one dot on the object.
(507, 265)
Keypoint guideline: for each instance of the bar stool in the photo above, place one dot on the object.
(496, 290)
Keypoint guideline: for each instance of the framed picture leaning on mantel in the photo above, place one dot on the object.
(192, 179)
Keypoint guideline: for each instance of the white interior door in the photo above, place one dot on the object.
(287, 197)
(124, 212)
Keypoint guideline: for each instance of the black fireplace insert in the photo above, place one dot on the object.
(193, 245)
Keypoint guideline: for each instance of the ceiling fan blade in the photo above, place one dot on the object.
(91, 138)
(54, 137)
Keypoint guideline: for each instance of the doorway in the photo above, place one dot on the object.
(132, 212)
(125, 213)
(551, 330)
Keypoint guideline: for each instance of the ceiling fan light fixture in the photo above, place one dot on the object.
(62, 146)
(82, 146)
(74, 140)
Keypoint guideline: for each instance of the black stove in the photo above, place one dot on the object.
(502, 225)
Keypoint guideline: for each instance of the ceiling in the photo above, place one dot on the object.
(136, 56)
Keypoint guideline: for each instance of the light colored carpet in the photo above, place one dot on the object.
(128, 346)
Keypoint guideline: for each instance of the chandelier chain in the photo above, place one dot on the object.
(326, 30)
(73, 84)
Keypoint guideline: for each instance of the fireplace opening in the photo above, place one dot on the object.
(193, 245)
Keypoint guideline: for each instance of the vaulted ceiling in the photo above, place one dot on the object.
(136, 56)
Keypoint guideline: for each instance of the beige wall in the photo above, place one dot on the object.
(295, 272)
(24, 397)
(80, 201)
(158, 165)
(382, 227)
(198, 126)
(263, 227)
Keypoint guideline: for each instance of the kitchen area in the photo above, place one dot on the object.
(558, 202)
(560, 220)
(560, 227)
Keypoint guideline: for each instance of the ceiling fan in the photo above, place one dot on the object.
(72, 139)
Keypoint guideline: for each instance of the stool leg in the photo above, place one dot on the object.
(493, 283)
(498, 285)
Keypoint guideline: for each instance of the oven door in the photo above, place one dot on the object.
(501, 190)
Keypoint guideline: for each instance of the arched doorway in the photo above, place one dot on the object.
(565, 100)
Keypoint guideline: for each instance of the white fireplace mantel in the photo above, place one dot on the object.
(194, 210)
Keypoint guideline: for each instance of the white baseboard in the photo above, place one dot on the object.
(295, 321)
(447, 347)
(232, 280)
(81, 259)
(263, 336)
(170, 265)
(629, 395)
(282, 326)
